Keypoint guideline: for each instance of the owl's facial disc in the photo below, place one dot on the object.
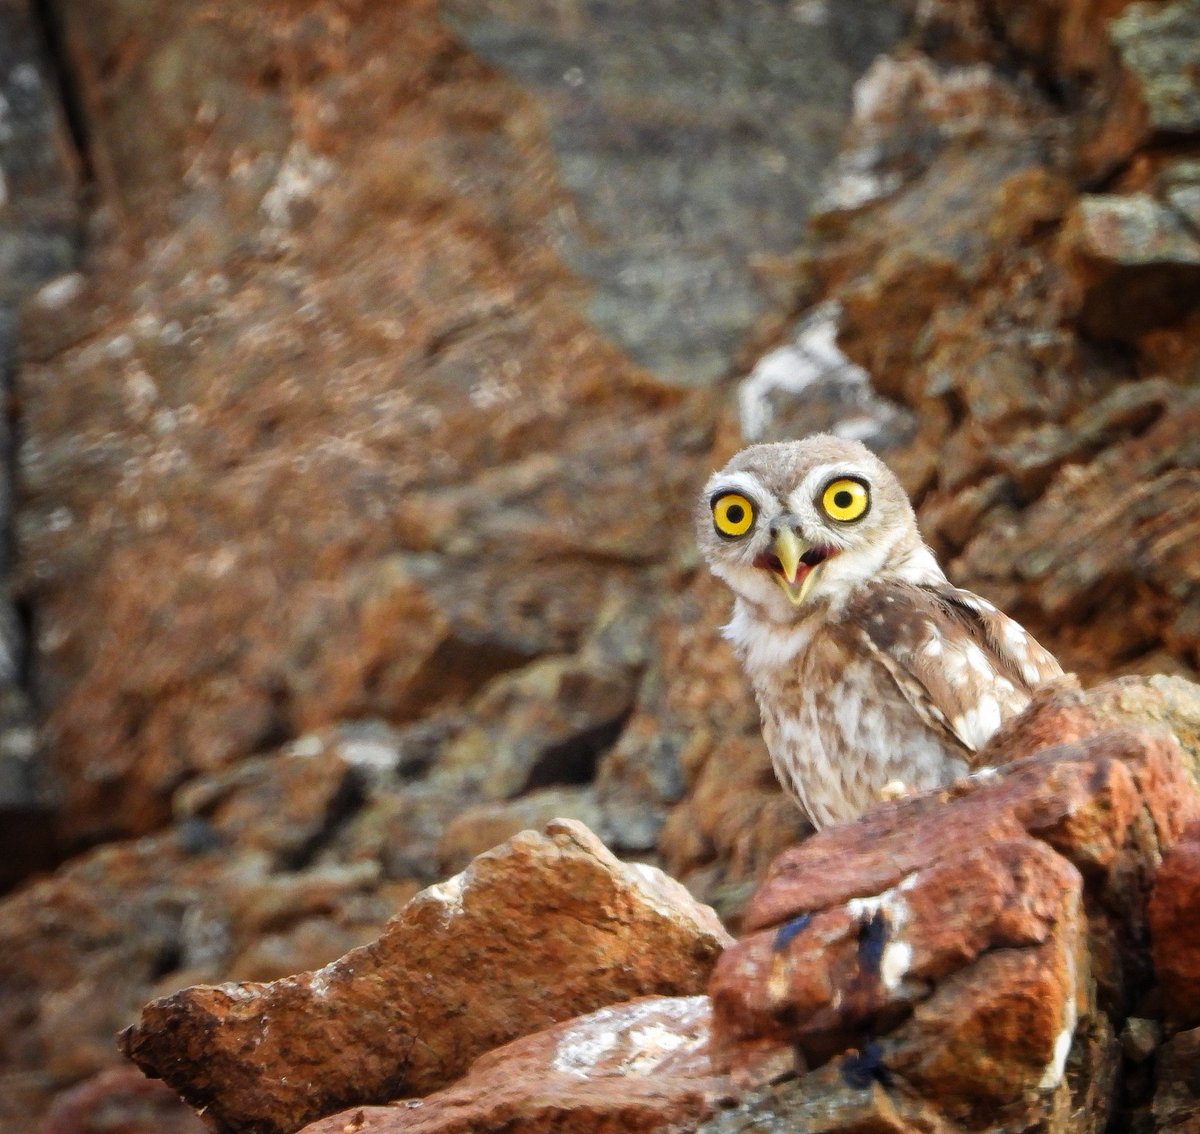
(793, 564)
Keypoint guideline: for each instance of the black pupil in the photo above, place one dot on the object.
(735, 513)
(843, 499)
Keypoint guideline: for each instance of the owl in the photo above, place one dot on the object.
(871, 669)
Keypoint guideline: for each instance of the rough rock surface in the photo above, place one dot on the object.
(332, 447)
(538, 930)
(637, 1067)
(974, 952)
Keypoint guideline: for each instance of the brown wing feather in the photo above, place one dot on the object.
(962, 665)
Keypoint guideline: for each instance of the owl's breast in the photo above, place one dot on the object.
(839, 730)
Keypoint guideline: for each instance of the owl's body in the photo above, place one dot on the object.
(870, 669)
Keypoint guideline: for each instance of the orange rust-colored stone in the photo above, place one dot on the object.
(533, 932)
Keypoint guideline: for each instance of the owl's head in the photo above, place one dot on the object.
(795, 523)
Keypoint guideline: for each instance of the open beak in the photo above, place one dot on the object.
(794, 564)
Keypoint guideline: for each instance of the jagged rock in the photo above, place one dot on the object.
(550, 925)
(1174, 916)
(332, 448)
(1117, 533)
(39, 171)
(681, 201)
(637, 1067)
(965, 934)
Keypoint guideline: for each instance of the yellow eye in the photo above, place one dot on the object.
(845, 500)
(733, 514)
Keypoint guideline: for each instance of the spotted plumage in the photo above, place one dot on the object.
(870, 668)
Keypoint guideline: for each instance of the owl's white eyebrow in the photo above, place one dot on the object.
(817, 478)
(743, 482)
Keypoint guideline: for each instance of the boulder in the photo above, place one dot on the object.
(538, 930)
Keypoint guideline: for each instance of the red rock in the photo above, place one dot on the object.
(998, 1031)
(227, 547)
(952, 930)
(821, 980)
(535, 931)
(637, 1068)
(1062, 713)
(1083, 800)
(1174, 916)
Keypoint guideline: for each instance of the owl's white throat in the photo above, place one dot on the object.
(763, 644)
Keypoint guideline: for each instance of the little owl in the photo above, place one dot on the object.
(870, 669)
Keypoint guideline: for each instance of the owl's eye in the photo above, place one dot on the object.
(845, 500)
(733, 514)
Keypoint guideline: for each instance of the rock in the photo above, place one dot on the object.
(810, 386)
(284, 805)
(551, 925)
(1062, 713)
(640, 1067)
(842, 971)
(380, 531)
(688, 164)
(399, 829)
(1115, 531)
(1032, 462)
(1174, 917)
(124, 1101)
(1176, 1106)
(545, 724)
(86, 947)
(39, 167)
(978, 938)
(39, 235)
(1160, 44)
(1135, 263)
(477, 829)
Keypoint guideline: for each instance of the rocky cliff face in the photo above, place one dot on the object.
(355, 468)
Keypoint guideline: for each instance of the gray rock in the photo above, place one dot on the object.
(693, 137)
(38, 237)
(1160, 44)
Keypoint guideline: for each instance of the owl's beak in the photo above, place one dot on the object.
(794, 562)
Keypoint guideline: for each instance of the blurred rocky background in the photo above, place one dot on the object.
(368, 359)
